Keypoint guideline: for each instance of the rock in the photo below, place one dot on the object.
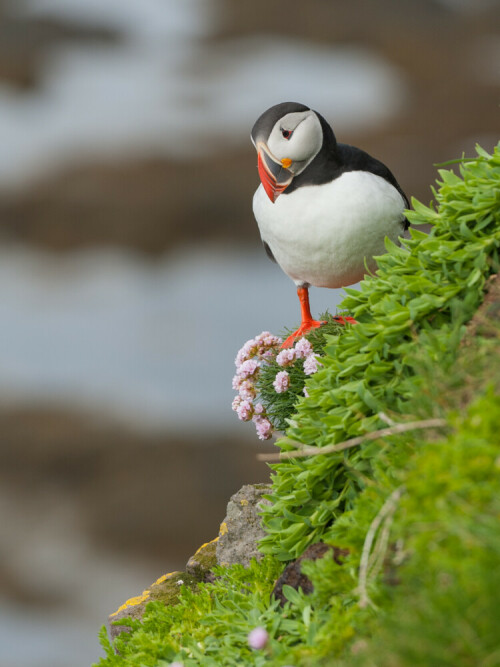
(292, 575)
(239, 535)
(166, 588)
(241, 530)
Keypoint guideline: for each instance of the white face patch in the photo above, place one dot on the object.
(298, 137)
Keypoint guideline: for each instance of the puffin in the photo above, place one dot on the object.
(323, 208)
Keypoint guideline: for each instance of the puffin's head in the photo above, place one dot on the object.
(287, 138)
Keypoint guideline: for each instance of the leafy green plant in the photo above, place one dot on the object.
(210, 627)
(434, 600)
(422, 291)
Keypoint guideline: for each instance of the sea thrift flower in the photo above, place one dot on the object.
(311, 365)
(248, 368)
(281, 382)
(237, 380)
(247, 390)
(263, 426)
(303, 348)
(258, 638)
(255, 353)
(266, 341)
(245, 411)
(263, 340)
(248, 350)
(286, 357)
(306, 393)
(257, 347)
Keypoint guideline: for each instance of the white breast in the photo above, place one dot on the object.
(322, 234)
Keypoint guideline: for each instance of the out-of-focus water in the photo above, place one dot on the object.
(162, 88)
(38, 637)
(149, 343)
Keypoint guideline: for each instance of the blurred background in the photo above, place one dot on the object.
(131, 269)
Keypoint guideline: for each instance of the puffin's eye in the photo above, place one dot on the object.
(286, 133)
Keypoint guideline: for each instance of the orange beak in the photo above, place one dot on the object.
(274, 176)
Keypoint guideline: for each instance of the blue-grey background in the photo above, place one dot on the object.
(131, 269)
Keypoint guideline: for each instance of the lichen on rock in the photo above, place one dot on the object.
(201, 563)
(165, 588)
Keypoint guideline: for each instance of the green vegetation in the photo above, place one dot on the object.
(445, 611)
(418, 511)
(423, 292)
(207, 627)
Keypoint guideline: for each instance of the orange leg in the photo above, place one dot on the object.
(307, 321)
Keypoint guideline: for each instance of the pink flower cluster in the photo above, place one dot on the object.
(302, 350)
(249, 360)
(281, 382)
(253, 355)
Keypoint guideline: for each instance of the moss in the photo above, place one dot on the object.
(166, 589)
(203, 561)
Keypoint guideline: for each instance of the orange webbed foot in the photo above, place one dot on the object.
(307, 321)
(345, 319)
(304, 328)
